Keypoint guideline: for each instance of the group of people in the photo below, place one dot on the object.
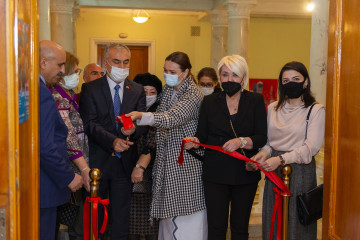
(150, 193)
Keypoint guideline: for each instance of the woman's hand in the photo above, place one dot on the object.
(190, 145)
(135, 115)
(137, 175)
(259, 157)
(86, 178)
(232, 145)
(271, 164)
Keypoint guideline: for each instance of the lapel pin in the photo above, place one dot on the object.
(127, 87)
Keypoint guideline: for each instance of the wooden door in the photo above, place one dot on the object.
(139, 59)
(341, 218)
(19, 165)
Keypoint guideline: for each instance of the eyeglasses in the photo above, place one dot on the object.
(78, 71)
(209, 84)
(96, 73)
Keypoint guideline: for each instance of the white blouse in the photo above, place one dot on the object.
(286, 131)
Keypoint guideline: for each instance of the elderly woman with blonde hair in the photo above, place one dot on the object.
(236, 120)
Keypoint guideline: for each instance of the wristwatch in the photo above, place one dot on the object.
(243, 142)
(139, 166)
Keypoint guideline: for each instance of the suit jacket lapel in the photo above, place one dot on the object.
(127, 97)
(242, 109)
(107, 95)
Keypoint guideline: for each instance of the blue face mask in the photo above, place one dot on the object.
(172, 80)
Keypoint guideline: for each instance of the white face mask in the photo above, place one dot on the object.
(207, 90)
(118, 74)
(71, 81)
(150, 100)
(172, 80)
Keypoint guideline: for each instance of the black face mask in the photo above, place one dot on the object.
(294, 89)
(230, 88)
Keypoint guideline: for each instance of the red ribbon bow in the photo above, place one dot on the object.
(284, 190)
(86, 216)
(126, 121)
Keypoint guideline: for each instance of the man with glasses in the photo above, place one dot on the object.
(92, 71)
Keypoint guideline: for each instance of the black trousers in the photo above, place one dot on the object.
(118, 188)
(217, 198)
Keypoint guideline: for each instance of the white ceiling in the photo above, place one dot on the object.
(269, 8)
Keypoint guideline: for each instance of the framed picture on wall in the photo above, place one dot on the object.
(266, 87)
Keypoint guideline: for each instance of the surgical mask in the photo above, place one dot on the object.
(230, 88)
(150, 100)
(294, 89)
(118, 74)
(172, 80)
(207, 90)
(71, 81)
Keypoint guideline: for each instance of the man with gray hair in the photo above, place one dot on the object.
(112, 148)
(92, 72)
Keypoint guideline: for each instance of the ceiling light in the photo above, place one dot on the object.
(310, 7)
(141, 16)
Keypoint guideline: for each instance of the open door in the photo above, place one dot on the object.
(19, 120)
(341, 212)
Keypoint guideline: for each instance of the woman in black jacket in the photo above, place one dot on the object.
(236, 120)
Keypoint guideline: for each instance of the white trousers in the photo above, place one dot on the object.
(189, 227)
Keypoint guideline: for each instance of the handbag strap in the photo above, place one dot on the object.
(307, 123)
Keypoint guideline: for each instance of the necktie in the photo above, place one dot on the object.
(117, 108)
(117, 103)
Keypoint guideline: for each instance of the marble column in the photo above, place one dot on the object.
(219, 36)
(238, 30)
(62, 24)
(319, 49)
(44, 20)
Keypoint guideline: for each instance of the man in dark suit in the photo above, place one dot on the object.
(110, 151)
(56, 176)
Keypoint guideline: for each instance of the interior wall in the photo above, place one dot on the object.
(276, 41)
(171, 33)
(273, 41)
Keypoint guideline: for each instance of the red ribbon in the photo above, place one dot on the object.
(126, 121)
(284, 190)
(86, 216)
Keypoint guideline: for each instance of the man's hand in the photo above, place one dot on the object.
(137, 175)
(128, 132)
(76, 183)
(120, 145)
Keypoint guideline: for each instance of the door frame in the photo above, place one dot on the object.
(129, 42)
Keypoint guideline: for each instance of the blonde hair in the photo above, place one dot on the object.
(236, 64)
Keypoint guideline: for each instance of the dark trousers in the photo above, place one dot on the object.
(218, 198)
(47, 223)
(118, 188)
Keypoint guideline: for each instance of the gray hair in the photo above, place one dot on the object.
(236, 64)
(118, 46)
(87, 66)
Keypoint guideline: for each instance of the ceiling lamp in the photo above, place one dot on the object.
(141, 16)
(310, 7)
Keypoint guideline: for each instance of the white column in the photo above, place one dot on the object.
(238, 31)
(44, 20)
(219, 36)
(62, 27)
(319, 49)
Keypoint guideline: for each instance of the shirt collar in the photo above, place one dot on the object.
(112, 84)
(42, 79)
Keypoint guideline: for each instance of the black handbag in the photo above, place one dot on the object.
(67, 213)
(309, 204)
